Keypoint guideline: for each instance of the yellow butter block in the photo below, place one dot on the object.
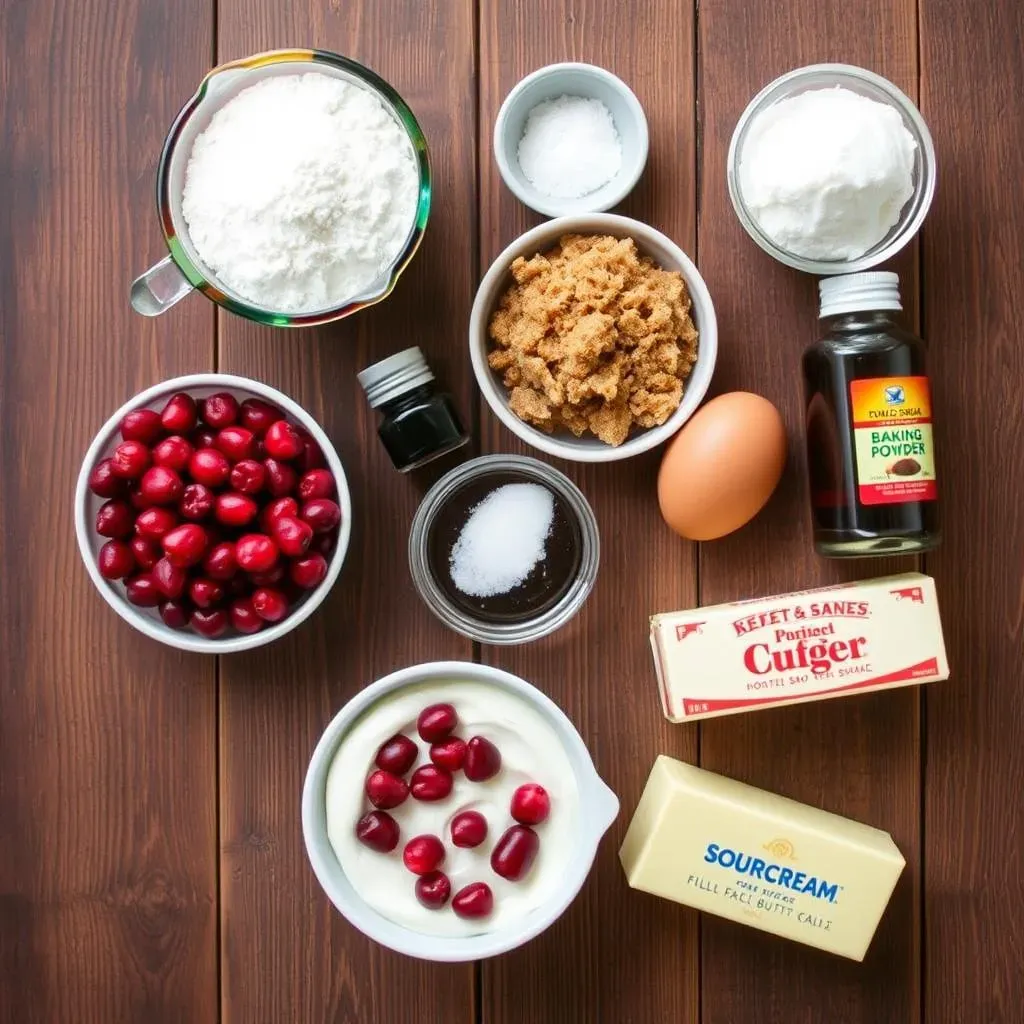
(730, 849)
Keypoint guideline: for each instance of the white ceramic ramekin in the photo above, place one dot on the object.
(147, 620)
(598, 809)
(650, 242)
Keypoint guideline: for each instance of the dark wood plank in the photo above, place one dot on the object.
(107, 739)
(616, 955)
(288, 956)
(972, 269)
(858, 756)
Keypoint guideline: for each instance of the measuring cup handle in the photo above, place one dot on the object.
(159, 288)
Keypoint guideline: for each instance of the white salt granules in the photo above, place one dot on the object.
(825, 173)
(503, 539)
(301, 192)
(569, 147)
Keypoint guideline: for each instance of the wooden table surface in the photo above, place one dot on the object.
(151, 860)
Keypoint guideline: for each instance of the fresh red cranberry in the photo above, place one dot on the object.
(196, 502)
(205, 593)
(130, 460)
(220, 563)
(396, 755)
(142, 425)
(175, 614)
(114, 519)
(174, 453)
(322, 514)
(180, 415)
(282, 441)
(293, 536)
(274, 575)
(430, 783)
(204, 437)
(115, 560)
(515, 852)
(386, 790)
(281, 478)
(142, 590)
(210, 467)
(433, 890)
(105, 483)
(469, 829)
(161, 486)
(244, 617)
(483, 760)
(185, 545)
(236, 443)
(210, 623)
(258, 415)
(220, 410)
(255, 552)
(436, 722)
(423, 854)
(154, 523)
(271, 605)
(474, 900)
(317, 483)
(312, 456)
(275, 508)
(234, 509)
(449, 753)
(248, 476)
(309, 571)
(138, 500)
(146, 552)
(378, 830)
(170, 578)
(530, 804)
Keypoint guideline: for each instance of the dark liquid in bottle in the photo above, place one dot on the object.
(550, 578)
(843, 526)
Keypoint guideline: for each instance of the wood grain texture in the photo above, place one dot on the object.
(287, 955)
(971, 87)
(859, 756)
(616, 956)
(107, 740)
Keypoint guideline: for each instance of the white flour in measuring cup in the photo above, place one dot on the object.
(301, 192)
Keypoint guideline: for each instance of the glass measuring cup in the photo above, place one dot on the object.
(181, 271)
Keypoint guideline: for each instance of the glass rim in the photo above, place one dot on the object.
(529, 629)
(198, 277)
(917, 206)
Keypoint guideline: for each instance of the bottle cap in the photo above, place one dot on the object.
(395, 376)
(853, 293)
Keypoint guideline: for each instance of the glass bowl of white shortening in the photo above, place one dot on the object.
(538, 743)
(184, 270)
(863, 83)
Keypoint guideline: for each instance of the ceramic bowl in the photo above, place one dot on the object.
(591, 82)
(598, 809)
(147, 620)
(666, 254)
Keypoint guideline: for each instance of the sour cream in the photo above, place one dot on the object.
(531, 751)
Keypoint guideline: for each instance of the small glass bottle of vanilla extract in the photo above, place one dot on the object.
(870, 452)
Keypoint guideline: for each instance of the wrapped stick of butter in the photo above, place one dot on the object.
(730, 849)
(811, 645)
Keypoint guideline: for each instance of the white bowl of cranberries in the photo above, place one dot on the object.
(213, 513)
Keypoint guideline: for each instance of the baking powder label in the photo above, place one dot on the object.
(892, 431)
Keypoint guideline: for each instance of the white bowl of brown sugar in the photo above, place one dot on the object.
(593, 338)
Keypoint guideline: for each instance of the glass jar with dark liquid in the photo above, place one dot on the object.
(870, 452)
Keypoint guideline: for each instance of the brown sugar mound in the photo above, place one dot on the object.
(593, 337)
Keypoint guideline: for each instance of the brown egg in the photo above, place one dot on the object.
(721, 468)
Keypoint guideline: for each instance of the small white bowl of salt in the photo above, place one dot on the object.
(570, 139)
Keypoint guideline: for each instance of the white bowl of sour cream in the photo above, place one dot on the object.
(538, 744)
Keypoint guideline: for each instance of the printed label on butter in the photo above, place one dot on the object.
(812, 645)
(739, 852)
(892, 432)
